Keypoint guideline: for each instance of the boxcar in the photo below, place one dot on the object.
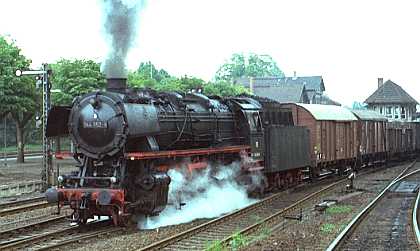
(416, 126)
(401, 139)
(332, 134)
(370, 136)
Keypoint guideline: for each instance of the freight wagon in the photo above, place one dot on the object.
(332, 134)
(370, 137)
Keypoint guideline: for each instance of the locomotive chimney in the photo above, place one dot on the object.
(380, 82)
(116, 84)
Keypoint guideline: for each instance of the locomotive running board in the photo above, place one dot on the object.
(186, 153)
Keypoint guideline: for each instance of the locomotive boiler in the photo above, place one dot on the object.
(126, 140)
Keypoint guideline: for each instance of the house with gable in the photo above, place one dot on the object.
(308, 90)
(392, 101)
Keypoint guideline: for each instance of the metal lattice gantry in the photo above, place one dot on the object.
(43, 77)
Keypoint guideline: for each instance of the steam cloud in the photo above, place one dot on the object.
(120, 24)
(208, 195)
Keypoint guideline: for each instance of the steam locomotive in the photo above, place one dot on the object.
(127, 139)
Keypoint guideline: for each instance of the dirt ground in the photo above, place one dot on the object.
(30, 170)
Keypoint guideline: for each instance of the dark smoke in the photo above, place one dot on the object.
(120, 25)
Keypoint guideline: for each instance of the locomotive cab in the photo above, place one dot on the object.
(249, 123)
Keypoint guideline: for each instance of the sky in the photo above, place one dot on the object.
(349, 43)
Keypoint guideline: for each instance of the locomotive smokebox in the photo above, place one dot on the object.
(116, 84)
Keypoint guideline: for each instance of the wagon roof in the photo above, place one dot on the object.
(369, 115)
(329, 112)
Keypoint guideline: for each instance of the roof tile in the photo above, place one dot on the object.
(388, 93)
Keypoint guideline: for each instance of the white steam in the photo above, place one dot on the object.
(208, 194)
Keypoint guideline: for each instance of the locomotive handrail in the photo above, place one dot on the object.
(87, 178)
(185, 153)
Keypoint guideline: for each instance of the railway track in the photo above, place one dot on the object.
(416, 219)
(249, 221)
(25, 231)
(21, 202)
(205, 235)
(57, 233)
(382, 225)
(20, 206)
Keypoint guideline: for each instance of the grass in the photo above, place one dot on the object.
(29, 147)
(215, 246)
(339, 209)
(65, 146)
(238, 241)
(327, 228)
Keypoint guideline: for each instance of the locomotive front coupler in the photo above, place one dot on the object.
(84, 202)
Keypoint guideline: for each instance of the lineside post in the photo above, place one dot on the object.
(43, 78)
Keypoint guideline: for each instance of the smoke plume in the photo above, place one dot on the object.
(120, 25)
(207, 195)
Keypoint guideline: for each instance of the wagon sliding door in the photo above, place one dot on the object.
(328, 143)
(339, 139)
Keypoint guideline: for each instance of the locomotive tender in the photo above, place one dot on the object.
(127, 139)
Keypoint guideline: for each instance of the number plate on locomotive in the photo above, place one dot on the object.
(95, 124)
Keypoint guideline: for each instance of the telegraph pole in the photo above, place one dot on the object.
(43, 76)
(5, 141)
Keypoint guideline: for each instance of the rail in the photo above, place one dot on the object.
(282, 213)
(21, 202)
(349, 229)
(179, 237)
(415, 217)
(24, 208)
(11, 235)
(66, 235)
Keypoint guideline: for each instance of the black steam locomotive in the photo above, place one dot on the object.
(126, 140)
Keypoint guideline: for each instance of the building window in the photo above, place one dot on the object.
(389, 111)
(396, 113)
(381, 110)
(403, 112)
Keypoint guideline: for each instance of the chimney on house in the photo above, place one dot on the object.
(380, 82)
(294, 75)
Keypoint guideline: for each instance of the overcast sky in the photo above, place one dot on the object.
(349, 43)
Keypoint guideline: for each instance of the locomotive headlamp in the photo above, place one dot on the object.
(94, 102)
(113, 179)
(60, 179)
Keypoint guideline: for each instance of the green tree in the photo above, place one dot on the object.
(19, 97)
(136, 79)
(183, 84)
(75, 77)
(252, 65)
(170, 84)
(147, 75)
(224, 89)
(148, 71)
